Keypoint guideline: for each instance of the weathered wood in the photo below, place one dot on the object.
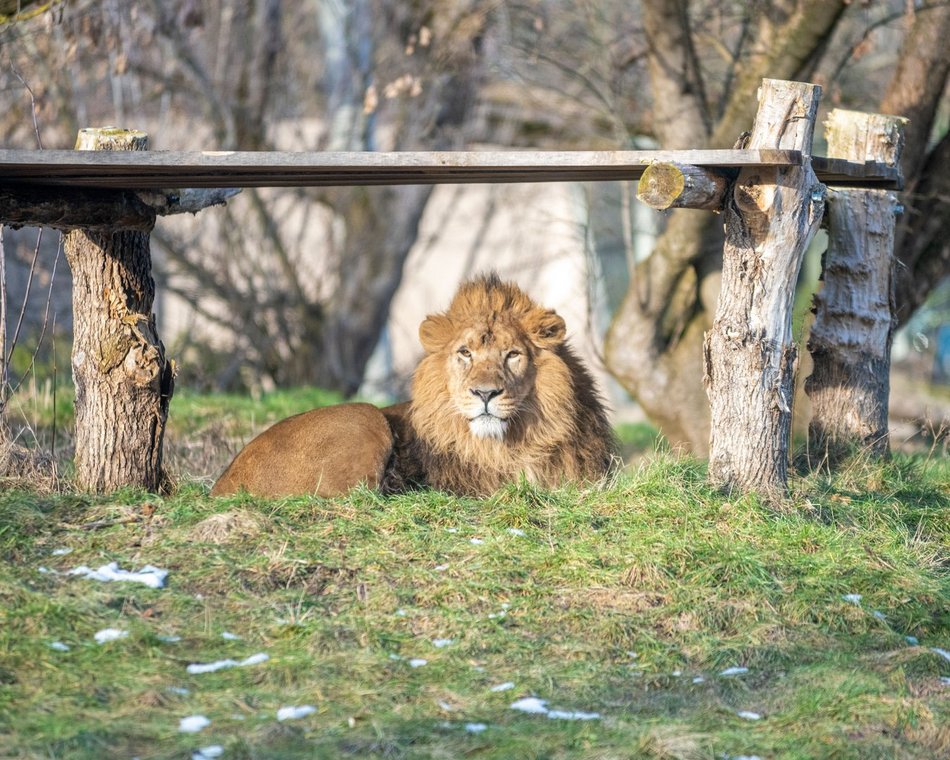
(749, 352)
(672, 185)
(98, 209)
(157, 169)
(123, 379)
(850, 340)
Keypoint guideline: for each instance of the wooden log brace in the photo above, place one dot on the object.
(673, 185)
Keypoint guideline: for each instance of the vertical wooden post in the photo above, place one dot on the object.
(770, 218)
(123, 380)
(850, 339)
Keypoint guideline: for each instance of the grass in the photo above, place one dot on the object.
(628, 601)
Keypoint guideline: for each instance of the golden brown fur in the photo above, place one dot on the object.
(498, 396)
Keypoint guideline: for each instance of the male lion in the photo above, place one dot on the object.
(499, 395)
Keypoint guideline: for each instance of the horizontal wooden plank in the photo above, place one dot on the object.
(164, 169)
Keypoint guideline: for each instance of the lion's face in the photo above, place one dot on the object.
(491, 374)
(488, 361)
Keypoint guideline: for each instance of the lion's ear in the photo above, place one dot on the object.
(435, 332)
(545, 328)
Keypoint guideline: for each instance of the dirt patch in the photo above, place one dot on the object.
(227, 527)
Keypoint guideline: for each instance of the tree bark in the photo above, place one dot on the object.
(749, 352)
(850, 339)
(124, 381)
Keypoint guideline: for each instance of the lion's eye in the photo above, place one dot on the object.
(465, 353)
(512, 355)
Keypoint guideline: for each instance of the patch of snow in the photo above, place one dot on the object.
(879, 615)
(59, 646)
(440, 568)
(443, 705)
(564, 715)
(497, 615)
(475, 728)
(749, 715)
(109, 634)
(395, 657)
(734, 671)
(677, 673)
(442, 643)
(401, 612)
(179, 690)
(853, 598)
(46, 571)
(945, 680)
(193, 724)
(171, 639)
(942, 652)
(502, 686)
(294, 713)
(699, 679)
(209, 667)
(417, 662)
(151, 576)
(228, 636)
(912, 640)
(208, 753)
(476, 541)
(517, 532)
(530, 705)
(451, 530)
(632, 655)
(61, 552)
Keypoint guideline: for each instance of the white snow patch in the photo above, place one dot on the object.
(698, 679)
(451, 530)
(734, 671)
(475, 728)
(442, 643)
(417, 662)
(170, 639)
(109, 634)
(749, 715)
(209, 667)
(476, 541)
(443, 705)
(228, 636)
(853, 598)
(440, 568)
(59, 646)
(294, 713)
(942, 652)
(502, 686)
(179, 690)
(208, 753)
(517, 532)
(912, 640)
(151, 576)
(945, 680)
(879, 615)
(537, 706)
(61, 552)
(530, 705)
(677, 673)
(46, 571)
(401, 612)
(193, 724)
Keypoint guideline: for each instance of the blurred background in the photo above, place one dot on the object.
(326, 288)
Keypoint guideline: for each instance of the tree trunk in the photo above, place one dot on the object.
(749, 352)
(655, 343)
(123, 380)
(850, 340)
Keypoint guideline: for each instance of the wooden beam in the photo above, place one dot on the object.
(158, 169)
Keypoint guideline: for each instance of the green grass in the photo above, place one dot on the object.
(614, 601)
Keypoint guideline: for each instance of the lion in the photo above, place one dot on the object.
(498, 396)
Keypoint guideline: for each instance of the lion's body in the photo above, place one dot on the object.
(498, 396)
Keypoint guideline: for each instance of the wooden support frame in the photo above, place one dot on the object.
(770, 218)
(850, 340)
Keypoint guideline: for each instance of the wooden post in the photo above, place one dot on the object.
(123, 379)
(749, 352)
(850, 339)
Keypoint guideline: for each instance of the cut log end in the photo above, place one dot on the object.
(666, 185)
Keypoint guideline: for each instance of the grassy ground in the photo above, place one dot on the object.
(628, 601)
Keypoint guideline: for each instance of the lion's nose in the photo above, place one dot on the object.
(486, 394)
